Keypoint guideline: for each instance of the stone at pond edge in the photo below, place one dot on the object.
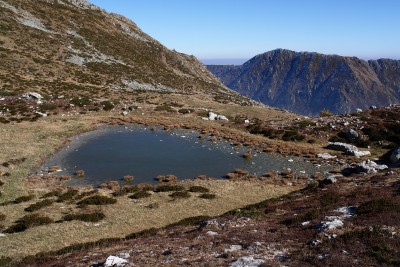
(347, 149)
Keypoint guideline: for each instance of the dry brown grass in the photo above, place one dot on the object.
(36, 141)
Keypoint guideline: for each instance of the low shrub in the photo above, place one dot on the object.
(185, 110)
(28, 221)
(2, 217)
(39, 205)
(145, 187)
(86, 217)
(249, 213)
(377, 206)
(180, 194)
(85, 194)
(196, 220)
(23, 199)
(169, 188)
(329, 199)
(80, 101)
(97, 200)
(126, 190)
(107, 105)
(164, 107)
(51, 194)
(292, 135)
(199, 189)
(325, 113)
(6, 261)
(140, 194)
(207, 196)
(1, 183)
(69, 195)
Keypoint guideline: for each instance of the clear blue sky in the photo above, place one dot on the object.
(227, 29)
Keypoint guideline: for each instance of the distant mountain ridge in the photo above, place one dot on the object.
(306, 83)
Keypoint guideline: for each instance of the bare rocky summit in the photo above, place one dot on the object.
(307, 83)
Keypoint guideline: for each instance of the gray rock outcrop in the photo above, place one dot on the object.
(395, 156)
(347, 149)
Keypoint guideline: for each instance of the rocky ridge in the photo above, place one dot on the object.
(306, 83)
(71, 47)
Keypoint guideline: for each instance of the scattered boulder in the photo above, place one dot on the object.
(347, 149)
(35, 96)
(215, 117)
(352, 135)
(113, 261)
(325, 156)
(124, 113)
(369, 166)
(247, 261)
(329, 180)
(395, 156)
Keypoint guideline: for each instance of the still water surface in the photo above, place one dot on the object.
(112, 152)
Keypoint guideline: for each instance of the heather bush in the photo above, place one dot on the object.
(28, 221)
(180, 194)
(140, 194)
(199, 189)
(207, 196)
(86, 217)
(39, 205)
(169, 188)
(23, 199)
(97, 200)
(69, 195)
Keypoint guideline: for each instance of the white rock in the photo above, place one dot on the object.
(115, 261)
(361, 153)
(246, 121)
(33, 95)
(233, 248)
(214, 117)
(325, 156)
(370, 166)
(247, 261)
(2, 235)
(211, 233)
(41, 114)
(124, 113)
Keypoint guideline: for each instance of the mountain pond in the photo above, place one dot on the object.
(112, 152)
